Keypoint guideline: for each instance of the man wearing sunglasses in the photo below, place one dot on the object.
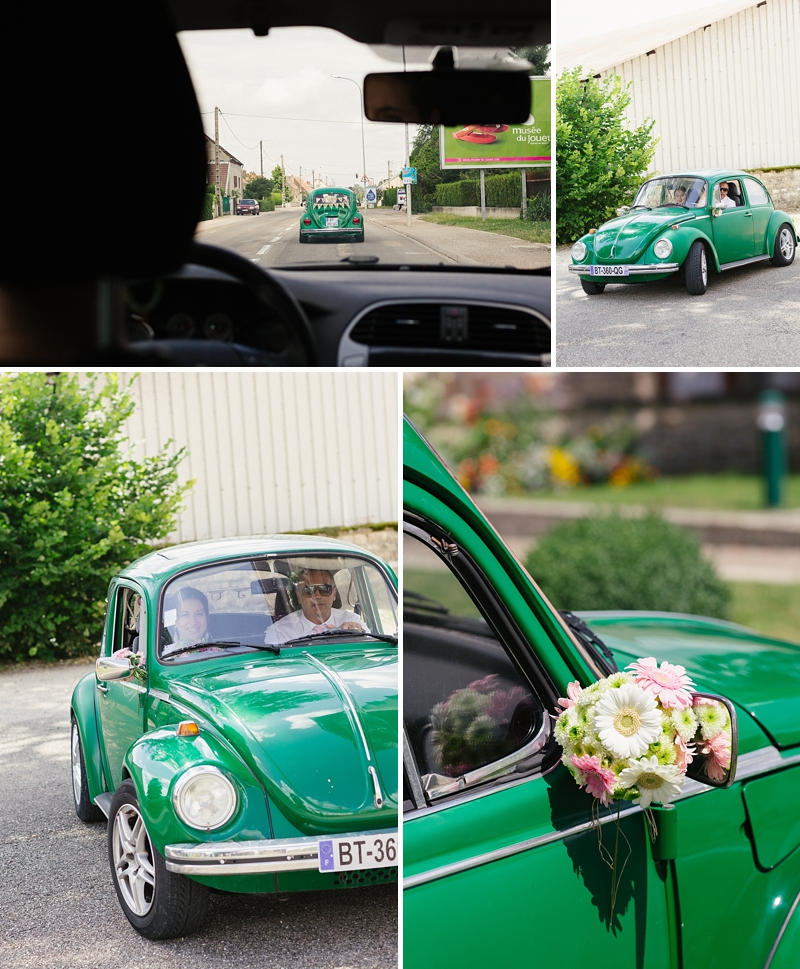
(724, 201)
(315, 592)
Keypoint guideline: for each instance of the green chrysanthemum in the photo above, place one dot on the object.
(685, 722)
(712, 717)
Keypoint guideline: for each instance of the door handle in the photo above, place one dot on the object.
(102, 688)
(748, 215)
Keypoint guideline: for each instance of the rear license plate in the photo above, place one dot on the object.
(362, 851)
(332, 223)
(608, 271)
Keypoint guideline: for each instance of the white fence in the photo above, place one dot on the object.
(274, 452)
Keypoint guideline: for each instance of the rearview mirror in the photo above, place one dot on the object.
(709, 763)
(448, 97)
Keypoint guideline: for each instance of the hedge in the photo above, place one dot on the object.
(502, 191)
(266, 205)
(390, 196)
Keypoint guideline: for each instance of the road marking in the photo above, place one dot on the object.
(262, 251)
(426, 253)
(276, 239)
(254, 260)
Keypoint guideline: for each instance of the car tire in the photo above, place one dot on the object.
(303, 239)
(696, 269)
(785, 246)
(158, 903)
(84, 808)
(592, 288)
(360, 238)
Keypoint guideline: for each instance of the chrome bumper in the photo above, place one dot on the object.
(664, 267)
(251, 857)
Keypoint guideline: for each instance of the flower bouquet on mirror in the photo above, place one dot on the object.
(633, 735)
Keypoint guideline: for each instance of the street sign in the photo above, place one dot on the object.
(372, 195)
(409, 176)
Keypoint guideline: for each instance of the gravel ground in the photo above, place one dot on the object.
(59, 907)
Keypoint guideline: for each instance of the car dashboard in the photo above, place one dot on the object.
(361, 316)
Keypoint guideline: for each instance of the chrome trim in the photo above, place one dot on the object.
(348, 347)
(749, 765)
(341, 686)
(412, 773)
(742, 262)
(160, 695)
(112, 668)
(253, 857)
(377, 798)
(780, 935)
(666, 267)
(103, 801)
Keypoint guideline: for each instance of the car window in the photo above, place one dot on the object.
(129, 622)
(272, 601)
(756, 193)
(470, 713)
(682, 190)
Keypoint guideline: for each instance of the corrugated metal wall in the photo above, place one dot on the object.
(275, 452)
(724, 96)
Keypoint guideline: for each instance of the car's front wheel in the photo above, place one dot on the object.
(158, 903)
(696, 269)
(84, 808)
(592, 288)
(783, 254)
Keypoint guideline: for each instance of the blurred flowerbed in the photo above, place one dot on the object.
(517, 445)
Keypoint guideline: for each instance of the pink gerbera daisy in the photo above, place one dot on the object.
(574, 690)
(598, 780)
(685, 753)
(717, 753)
(669, 684)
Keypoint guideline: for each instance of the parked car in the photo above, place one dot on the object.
(248, 207)
(506, 860)
(331, 213)
(686, 222)
(240, 729)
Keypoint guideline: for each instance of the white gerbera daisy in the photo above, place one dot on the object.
(627, 720)
(654, 781)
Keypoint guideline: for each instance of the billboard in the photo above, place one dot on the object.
(526, 145)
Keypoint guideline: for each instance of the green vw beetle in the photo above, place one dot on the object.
(686, 221)
(332, 213)
(505, 858)
(240, 729)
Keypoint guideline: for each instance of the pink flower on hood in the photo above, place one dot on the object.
(669, 684)
(686, 753)
(717, 753)
(574, 690)
(486, 684)
(598, 780)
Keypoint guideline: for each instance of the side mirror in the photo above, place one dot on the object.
(623, 210)
(448, 97)
(713, 762)
(112, 668)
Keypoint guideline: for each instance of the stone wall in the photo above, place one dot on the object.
(784, 187)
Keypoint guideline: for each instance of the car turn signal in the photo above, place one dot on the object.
(188, 728)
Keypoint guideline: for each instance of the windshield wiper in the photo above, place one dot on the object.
(221, 644)
(672, 205)
(639, 207)
(339, 633)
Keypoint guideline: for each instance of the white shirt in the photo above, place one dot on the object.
(296, 624)
(725, 203)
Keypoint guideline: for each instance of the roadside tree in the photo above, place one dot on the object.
(600, 159)
(258, 188)
(75, 506)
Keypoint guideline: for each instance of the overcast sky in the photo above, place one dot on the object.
(278, 88)
(577, 19)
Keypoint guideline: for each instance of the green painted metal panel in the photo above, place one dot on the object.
(776, 832)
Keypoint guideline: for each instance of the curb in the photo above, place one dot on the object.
(439, 250)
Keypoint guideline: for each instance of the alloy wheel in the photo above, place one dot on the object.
(786, 243)
(133, 860)
(77, 773)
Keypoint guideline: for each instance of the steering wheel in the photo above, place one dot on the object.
(301, 350)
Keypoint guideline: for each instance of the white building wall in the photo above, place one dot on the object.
(274, 452)
(725, 95)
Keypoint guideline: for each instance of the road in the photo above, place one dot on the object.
(749, 317)
(271, 240)
(59, 907)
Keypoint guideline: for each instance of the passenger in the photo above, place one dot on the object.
(314, 592)
(680, 195)
(191, 622)
(724, 201)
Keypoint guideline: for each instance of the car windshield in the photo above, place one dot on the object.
(683, 190)
(283, 117)
(243, 605)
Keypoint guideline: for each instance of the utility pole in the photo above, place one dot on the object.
(408, 165)
(312, 180)
(216, 160)
(283, 185)
(261, 154)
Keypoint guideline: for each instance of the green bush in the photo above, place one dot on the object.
(74, 508)
(609, 562)
(276, 198)
(503, 191)
(539, 208)
(266, 205)
(208, 204)
(390, 197)
(463, 192)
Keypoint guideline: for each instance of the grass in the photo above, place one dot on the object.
(518, 228)
(771, 609)
(740, 492)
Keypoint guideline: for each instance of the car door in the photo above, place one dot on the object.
(733, 229)
(504, 861)
(121, 703)
(760, 204)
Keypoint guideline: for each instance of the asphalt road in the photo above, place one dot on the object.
(271, 240)
(748, 317)
(59, 909)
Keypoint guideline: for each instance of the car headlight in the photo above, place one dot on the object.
(203, 797)
(662, 248)
(579, 251)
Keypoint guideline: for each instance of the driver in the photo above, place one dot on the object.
(314, 590)
(724, 201)
(680, 195)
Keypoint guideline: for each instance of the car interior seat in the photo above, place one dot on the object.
(733, 192)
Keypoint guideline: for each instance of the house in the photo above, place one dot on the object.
(721, 83)
(231, 170)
